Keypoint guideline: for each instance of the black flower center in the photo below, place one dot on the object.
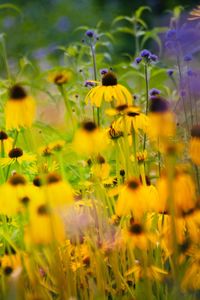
(135, 229)
(17, 93)
(15, 153)
(8, 270)
(89, 126)
(109, 79)
(43, 210)
(133, 184)
(3, 135)
(37, 181)
(121, 107)
(25, 200)
(195, 131)
(53, 178)
(17, 179)
(158, 105)
(132, 114)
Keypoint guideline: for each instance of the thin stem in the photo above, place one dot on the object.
(147, 97)
(4, 54)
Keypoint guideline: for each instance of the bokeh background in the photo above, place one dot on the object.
(43, 25)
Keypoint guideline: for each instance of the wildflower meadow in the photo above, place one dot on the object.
(100, 156)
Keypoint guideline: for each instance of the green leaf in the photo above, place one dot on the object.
(11, 6)
(122, 18)
(126, 30)
(140, 10)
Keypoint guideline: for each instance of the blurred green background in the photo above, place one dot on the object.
(43, 25)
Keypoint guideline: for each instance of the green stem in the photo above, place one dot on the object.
(147, 98)
(4, 54)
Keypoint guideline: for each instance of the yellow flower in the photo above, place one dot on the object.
(16, 155)
(194, 144)
(6, 142)
(109, 91)
(100, 169)
(183, 192)
(89, 139)
(136, 235)
(161, 120)
(16, 194)
(59, 77)
(9, 263)
(19, 109)
(131, 118)
(58, 192)
(44, 226)
(133, 198)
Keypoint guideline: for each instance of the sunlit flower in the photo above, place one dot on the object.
(16, 155)
(161, 120)
(19, 109)
(194, 144)
(184, 193)
(59, 77)
(133, 199)
(109, 91)
(89, 139)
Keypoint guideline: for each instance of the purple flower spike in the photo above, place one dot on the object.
(89, 33)
(138, 60)
(187, 57)
(103, 71)
(153, 57)
(154, 92)
(145, 53)
(170, 72)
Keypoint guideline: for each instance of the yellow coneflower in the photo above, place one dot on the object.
(161, 120)
(57, 191)
(131, 119)
(89, 139)
(59, 77)
(136, 235)
(44, 226)
(133, 199)
(5, 143)
(109, 91)
(100, 169)
(16, 155)
(19, 109)
(152, 272)
(183, 192)
(16, 194)
(9, 264)
(194, 144)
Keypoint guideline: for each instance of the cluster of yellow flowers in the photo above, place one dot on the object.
(131, 220)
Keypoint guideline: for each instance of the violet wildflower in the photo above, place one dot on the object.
(153, 57)
(170, 72)
(138, 60)
(103, 71)
(154, 92)
(89, 83)
(145, 53)
(187, 57)
(90, 33)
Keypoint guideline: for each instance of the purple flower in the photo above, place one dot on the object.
(145, 53)
(154, 92)
(138, 60)
(171, 34)
(90, 33)
(103, 71)
(187, 57)
(190, 72)
(153, 57)
(89, 83)
(170, 72)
